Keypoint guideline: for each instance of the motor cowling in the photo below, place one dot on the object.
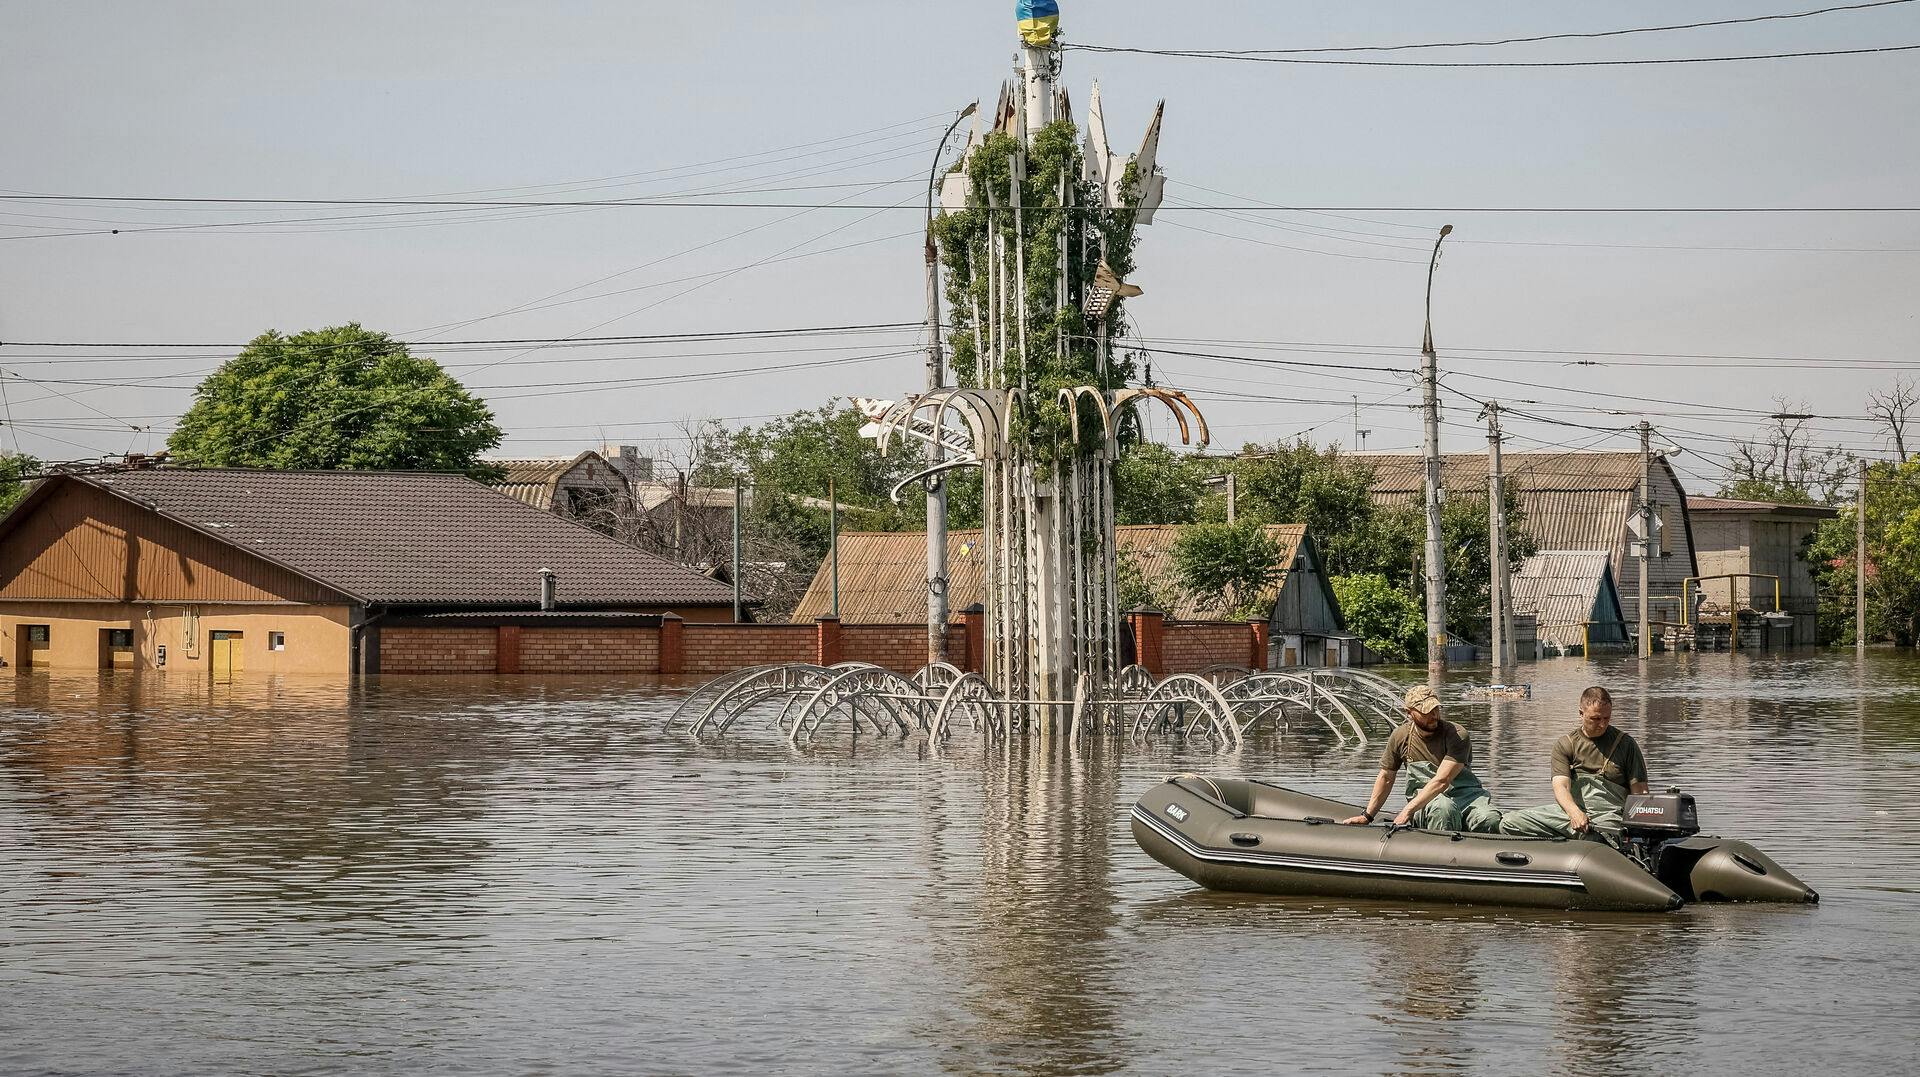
(1658, 817)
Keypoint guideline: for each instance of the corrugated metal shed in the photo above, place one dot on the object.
(1564, 588)
(400, 538)
(883, 574)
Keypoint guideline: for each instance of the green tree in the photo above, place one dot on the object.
(1383, 614)
(338, 398)
(1326, 490)
(1152, 484)
(14, 468)
(1225, 567)
(1893, 560)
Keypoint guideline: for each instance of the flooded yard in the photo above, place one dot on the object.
(518, 875)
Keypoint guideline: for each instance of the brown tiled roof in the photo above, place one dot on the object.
(883, 574)
(412, 538)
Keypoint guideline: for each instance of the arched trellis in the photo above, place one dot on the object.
(715, 706)
(881, 697)
(1272, 696)
(1368, 694)
(1184, 704)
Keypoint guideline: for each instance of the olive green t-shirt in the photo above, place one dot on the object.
(1408, 744)
(1615, 757)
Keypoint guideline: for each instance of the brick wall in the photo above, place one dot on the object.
(589, 650)
(718, 648)
(437, 650)
(901, 648)
(1193, 645)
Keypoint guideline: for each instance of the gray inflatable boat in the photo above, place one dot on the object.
(1252, 836)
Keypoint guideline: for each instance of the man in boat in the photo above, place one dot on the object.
(1594, 768)
(1442, 793)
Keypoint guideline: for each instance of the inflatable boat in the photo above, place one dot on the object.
(1260, 838)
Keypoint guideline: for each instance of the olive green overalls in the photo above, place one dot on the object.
(1604, 802)
(1465, 805)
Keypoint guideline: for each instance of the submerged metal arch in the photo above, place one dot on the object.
(1174, 697)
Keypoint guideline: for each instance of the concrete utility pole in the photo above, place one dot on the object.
(1646, 538)
(736, 551)
(936, 485)
(1860, 566)
(1233, 498)
(833, 550)
(1501, 613)
(1436, 557)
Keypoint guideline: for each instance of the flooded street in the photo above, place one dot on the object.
(513, 875)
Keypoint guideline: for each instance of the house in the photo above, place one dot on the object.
(224, 570)
(1572, 501)
(1765, 537)
(882, 580)
(1571, 596)
(585, 487)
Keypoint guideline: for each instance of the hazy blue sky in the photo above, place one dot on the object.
(364, 100)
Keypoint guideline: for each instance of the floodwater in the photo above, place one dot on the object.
(514, 876)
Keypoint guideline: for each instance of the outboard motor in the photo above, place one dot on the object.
(1663, 835)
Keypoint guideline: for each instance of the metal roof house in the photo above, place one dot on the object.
(1572, 501)
(1572, 596)
(883, 581)
(297, 571)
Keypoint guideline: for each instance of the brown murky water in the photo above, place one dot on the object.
(512, 876)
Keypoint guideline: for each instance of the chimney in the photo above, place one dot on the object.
(546, 589)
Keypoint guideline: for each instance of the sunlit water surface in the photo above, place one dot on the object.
(521, 876)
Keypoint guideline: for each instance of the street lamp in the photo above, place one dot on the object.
(936, 488)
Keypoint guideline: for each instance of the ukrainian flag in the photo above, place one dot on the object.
(1039, 21)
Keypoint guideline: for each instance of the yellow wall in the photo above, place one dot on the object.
(318, 639)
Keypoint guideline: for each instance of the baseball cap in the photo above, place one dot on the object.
(1422, 698)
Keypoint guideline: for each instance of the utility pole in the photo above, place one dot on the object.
(1860, 566)
(736, 551)
(936, 485)
(833, 550)
(1233, 498)
(1646, 538)
(1436, 557)
(1501, 611)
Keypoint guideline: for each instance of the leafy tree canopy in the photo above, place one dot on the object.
(1385, 615)
(338, 398)
(1225, 567)
(13, 469)
(1152, 484)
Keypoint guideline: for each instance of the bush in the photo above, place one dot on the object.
(1389, 619)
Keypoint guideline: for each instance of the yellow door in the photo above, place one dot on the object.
(225, 651)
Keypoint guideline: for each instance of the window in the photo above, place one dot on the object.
(276, 641)
(119, 637)
(38, 633)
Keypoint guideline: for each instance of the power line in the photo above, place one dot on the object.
(1262, 207)
(1538, 37)
(1664, 61)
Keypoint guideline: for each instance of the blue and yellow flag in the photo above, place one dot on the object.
(1039, 21)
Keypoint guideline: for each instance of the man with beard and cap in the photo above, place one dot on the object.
(1594, 768)
(1442, 793)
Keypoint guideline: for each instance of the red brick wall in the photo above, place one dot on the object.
(1192, 645)
(437, 650)
(589, 650)
(901, 648)
(718, 648)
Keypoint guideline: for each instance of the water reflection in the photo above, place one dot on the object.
(509, 874)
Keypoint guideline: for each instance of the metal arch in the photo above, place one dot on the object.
(835, 693)
(1259, 686)
(970, 690)
(1175, 402)
(1134, 680)
(1375, 694)
(1218, 670)
(741, 691)
(924, 474)
(937, 674)
(1202, 695)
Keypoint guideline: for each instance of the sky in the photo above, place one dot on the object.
(1698, 322)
